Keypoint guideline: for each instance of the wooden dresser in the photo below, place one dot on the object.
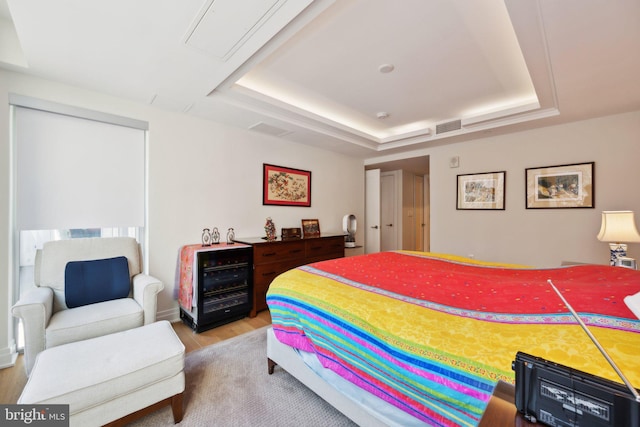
(272, 258)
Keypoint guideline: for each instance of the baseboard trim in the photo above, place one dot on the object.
(8, 356)
(172, 315)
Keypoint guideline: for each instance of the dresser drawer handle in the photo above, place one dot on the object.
(295, 251)
(315, 248)
(269, 254)
(271, 273)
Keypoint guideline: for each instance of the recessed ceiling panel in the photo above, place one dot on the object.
(450, 59)
(224, 25)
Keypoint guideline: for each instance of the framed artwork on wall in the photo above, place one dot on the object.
(285, 186)
(483, 191)
(561, 186)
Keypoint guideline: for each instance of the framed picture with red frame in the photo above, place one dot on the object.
(285, 186)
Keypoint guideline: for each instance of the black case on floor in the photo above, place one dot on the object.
(556, 395)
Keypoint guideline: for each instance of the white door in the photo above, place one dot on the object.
(372, 211)
(388, 212)
(426, 217)
(418, 209)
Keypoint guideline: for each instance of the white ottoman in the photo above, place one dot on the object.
(117, 377)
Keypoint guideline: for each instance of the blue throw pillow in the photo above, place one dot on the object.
(89, 282)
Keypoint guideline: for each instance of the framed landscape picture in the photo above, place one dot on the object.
(285, 186)
(481, 191)
(562, 186)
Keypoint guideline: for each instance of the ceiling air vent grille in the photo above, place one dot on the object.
(448, 126)
(269, 129)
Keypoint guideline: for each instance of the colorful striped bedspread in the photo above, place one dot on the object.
(432, 334)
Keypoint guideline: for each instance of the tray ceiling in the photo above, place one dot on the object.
(363, 77)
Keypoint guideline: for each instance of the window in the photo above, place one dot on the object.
(78, 173)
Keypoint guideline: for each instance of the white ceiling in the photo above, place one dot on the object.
(308, 71)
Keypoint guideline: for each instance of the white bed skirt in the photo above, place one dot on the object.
(361, 407)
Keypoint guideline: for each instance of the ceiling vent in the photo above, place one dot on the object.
(270, 130)
(448, 126)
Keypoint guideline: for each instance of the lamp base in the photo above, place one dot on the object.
(617, 250)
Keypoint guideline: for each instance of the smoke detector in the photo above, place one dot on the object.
(386, 68)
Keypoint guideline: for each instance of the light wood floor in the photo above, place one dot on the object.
(12, 380)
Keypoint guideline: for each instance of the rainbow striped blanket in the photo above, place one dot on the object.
(432, 334)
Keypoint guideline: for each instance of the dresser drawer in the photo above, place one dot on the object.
(264, 274)
(277, 252)
(267, 272)
(260, 300)
(271, 259)
(324, 248)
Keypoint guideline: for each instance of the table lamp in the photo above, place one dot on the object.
(618, 228)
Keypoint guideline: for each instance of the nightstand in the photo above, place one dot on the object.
(501, 410)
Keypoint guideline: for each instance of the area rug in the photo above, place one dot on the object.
(227, 384)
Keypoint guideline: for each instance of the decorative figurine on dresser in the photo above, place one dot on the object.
(215, 236)
(230, 236)
(206, 237)
(270, 230)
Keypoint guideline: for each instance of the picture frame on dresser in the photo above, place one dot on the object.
(284, 186)
(310, 228)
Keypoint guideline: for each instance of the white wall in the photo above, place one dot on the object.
(201, 174)
(207, 175)
(539, 237)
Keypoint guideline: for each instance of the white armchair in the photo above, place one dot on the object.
(47, 320)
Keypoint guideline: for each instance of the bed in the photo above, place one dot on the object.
(413, 338)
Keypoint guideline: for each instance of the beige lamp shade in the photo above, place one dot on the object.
(619, 227)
